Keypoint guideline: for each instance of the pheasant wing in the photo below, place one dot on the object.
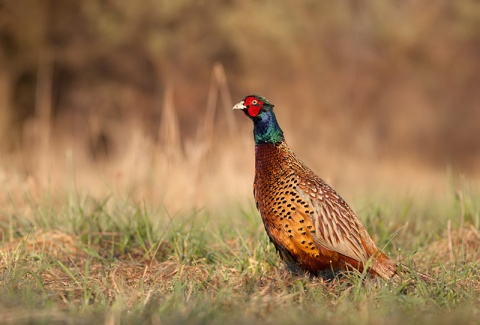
(337, 228)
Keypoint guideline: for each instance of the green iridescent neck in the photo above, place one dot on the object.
(266, 128)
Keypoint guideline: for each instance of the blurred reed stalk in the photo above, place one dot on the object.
(195, 157)
(226, 97)
(169, 134)
(43, 111)
(206, 132)
(218, 88)
(5, 91)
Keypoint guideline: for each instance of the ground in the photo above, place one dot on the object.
(72, 259)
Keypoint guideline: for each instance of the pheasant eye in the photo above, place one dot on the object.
(254, 102)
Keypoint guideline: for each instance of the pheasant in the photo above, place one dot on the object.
(311, 226)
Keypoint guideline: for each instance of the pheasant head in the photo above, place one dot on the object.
(265, 125)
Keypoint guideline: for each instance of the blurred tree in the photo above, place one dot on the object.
(395, 74)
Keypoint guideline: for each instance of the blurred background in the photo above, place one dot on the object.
(134, 97)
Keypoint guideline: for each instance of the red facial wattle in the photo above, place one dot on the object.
(254, 106)
(253, 110)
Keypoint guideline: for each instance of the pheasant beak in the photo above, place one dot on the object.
(240, 105)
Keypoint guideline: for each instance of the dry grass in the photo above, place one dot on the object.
(115, 262)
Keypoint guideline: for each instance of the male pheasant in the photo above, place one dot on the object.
(311, 226)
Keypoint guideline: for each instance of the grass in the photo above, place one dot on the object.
(77, 260)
